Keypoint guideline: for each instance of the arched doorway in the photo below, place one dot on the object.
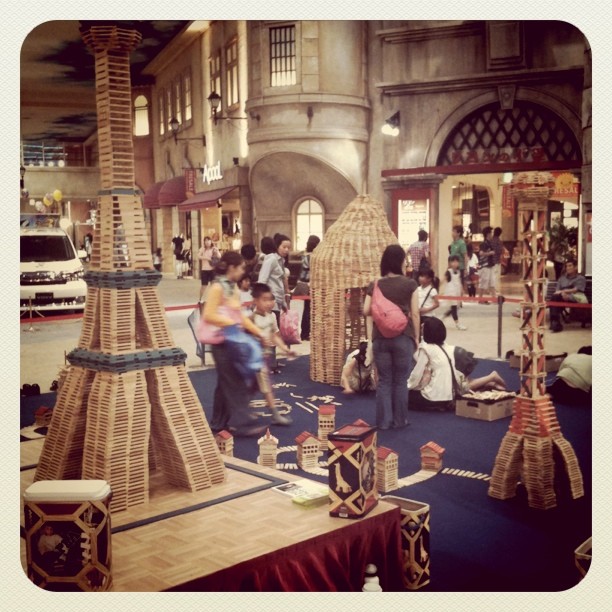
(470, 158)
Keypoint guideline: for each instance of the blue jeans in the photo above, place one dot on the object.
(394, 359)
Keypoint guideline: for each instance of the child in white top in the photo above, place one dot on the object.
(453, 288)
(427, 293)
(246, 298)
(265, 320)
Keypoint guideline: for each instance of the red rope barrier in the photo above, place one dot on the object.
(492, 300)
(451, 298)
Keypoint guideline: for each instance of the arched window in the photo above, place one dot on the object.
(141, 116)
(308, 221)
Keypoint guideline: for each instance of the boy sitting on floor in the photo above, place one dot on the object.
(264, 318)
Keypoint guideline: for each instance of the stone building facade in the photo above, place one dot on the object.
(298, 132)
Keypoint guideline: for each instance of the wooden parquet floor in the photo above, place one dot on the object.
(181, 547)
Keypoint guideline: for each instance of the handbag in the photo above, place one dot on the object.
(290, 327)
(389, 318)
(215, 258)
(455, 386)
(465, 361)
(207, 333)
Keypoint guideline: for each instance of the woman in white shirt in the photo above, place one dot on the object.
(431, 385)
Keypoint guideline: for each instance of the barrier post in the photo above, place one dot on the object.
(31, 328)
(500, 307)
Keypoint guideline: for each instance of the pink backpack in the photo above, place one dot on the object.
(389, 317)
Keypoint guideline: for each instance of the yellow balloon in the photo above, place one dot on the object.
(46, 201)
(57, 195)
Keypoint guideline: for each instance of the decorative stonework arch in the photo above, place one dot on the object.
(528, 103)
(280, 178)
(303, 152)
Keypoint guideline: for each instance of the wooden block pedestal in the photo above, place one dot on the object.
(415, 541)
(352, 470)
(68, 534)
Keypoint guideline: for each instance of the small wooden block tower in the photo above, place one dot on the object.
(527, 448)
(431, 456)
(268, 450)
(307, 452)
(327, 423)
(127, 386)
(225, 442)
(387, 461)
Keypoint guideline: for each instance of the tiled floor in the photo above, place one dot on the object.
(42, 352)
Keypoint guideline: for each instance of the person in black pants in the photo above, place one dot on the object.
(223, 309)
(304, 276)
(573, 383)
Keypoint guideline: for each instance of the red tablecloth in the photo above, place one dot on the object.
(331, 562)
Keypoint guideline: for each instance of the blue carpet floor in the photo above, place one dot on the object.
(477, 543)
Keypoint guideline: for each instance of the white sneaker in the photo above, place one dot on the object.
(461, 327)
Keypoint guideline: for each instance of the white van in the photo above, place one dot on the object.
(51, 271)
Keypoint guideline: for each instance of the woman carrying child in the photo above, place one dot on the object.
(223, 309)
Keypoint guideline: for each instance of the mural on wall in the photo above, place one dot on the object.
(57, 68)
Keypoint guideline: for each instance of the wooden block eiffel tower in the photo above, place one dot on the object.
(127, 392)
(526, 450)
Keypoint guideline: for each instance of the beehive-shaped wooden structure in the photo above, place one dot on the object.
(341, 268)
(127, 391)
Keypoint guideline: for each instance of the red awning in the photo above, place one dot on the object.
(151, 195)
(172, 192)
(205, 199)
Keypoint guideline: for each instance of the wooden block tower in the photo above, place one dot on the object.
(327, 423)
(308, 451)
(268, 450)
(387, 464)
(127, 387)
(526, 450)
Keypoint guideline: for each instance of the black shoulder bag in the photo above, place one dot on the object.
(456, 388)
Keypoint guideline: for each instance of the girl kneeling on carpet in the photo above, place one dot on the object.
(359, 374)
(430, 386)
(223, 309)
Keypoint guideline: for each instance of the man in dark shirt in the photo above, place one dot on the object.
(570, 288)
(419, 254)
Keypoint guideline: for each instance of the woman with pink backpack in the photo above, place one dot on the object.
(392, 303)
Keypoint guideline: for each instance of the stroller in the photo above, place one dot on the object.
(194, 321)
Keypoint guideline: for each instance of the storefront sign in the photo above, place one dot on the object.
(494, 156)
(412, 216)
(565, 185)
(212, 173)
(190, 181)
(507, 202)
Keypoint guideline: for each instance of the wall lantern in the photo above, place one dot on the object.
(391, 125)
(215, 101)
(174, 127)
